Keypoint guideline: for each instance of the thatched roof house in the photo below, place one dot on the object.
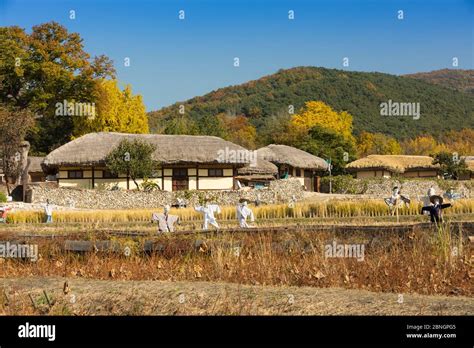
(34, 169)
(92, 149)
(257, 174)
(185, 161)
(469, 160)
(262, 167)
(291, 156)
(470, 163)
(295, 163)
(388, 165)
(34, 164)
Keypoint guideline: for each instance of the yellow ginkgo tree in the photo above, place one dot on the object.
(116, 110)
(317, 113)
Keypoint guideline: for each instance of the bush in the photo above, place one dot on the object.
(344, 184)
(149, 186)
(3, 197)
(447, 184)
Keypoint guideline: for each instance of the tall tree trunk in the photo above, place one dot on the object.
(8, 187)
(5, 176)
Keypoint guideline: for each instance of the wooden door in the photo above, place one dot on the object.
(180, 180)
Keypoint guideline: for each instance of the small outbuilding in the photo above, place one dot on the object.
(33, 167)
(257, 174)
(293, 162)
(35, 171)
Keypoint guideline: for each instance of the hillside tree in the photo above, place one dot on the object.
(422, 145)
(461, 141)
(377, 143)
(329, 145)
(239, 130)
(317, 113)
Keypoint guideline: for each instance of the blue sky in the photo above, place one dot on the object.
(173, 60)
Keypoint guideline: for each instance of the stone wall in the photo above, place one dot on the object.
(419, 188)
(381, 187)
(280, 191)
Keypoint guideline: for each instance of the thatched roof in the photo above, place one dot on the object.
(469, 162)
(283, 154)
(92, 149)
(255, 177)
(393, 163)
(33, 167)
(34, 164)
(262, 167)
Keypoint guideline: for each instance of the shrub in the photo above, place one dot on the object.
(3, 197)
(447, 184)
(344, 184)
(149, 186)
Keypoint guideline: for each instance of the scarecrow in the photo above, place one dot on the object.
(243, 212)
(165, 220)
(292, 202)
(436, 208)
(208, 212)
(426, 199)
(452, 195)
(431, 192)
(396, 199)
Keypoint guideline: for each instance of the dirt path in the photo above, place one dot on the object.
(99, 297)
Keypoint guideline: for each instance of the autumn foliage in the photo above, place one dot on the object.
(117, 111)
(317, 113)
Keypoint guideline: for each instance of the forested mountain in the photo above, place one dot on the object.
(359, 93)
(461, 80)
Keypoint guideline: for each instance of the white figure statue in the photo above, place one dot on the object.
(208, 212)
(396, 200)
(243, 212)
(165, 220)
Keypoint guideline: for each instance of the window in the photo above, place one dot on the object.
(156, 174)
(180, 184)
(298, 172)
(180, 172)
(107, 174)
(284, 173)
(215, 172)
(74, 174)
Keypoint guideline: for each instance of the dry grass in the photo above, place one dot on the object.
(112, 297)
(421, 262)
(331, 209)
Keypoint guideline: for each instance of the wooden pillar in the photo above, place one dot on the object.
(162, 178)
(234, 172)
(197, 177)
(93, 177)
(128, 181)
